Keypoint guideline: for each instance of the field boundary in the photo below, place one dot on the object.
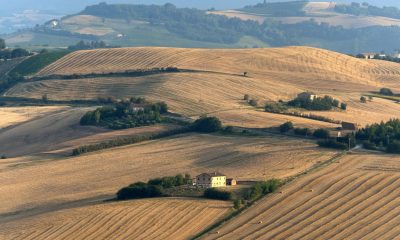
(286, 181)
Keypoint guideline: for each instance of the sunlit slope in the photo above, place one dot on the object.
(301, 60)
(142, 219)
(357, 198)
(40, 186)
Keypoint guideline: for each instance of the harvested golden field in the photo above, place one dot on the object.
(55, 130)
(32, 187)
(217, 85)
(300, 60)
(248, 118)
(142, 219)
(14, 115)
(355, 198)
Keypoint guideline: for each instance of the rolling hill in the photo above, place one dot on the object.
(213, 80)
(317, 24)
(142, 219)
(354, 198)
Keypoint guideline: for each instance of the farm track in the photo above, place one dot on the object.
(343, 201)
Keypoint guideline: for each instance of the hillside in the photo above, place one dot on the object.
(171, 26)
(354, 198)
(32, 187)
(320, 12)
(213, 81)
(142, 219)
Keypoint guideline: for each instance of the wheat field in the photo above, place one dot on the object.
(142, 219)
(37, 185)
(355, 198)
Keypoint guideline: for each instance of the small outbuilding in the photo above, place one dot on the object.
(350, 126)
(231, 182)
(307, 96)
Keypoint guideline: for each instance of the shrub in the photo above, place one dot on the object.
(321, 133)
(330, 143)
(363, 99)
(168, 182)
(393, 147)
(275, 107)
(286, 127)
(228, 129)
(237, 203)
(207, 125)
(262, 188)
(253, 102)
(369, 145)
(386, 91)
(3, 156)
(213, 193)
(343, 106)
(303, 131)
(139, 190)
(246, 97)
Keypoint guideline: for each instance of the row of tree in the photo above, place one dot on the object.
(366, 9)
(153, 188)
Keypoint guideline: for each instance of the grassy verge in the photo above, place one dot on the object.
(393, 98)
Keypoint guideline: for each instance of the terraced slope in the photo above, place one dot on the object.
(143, 219)
(357, 198)
(33, 187)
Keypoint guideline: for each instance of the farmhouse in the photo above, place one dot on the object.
(307, 96)
(350, 126)
(211, 180)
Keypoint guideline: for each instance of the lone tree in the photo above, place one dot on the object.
(45, 98)
(245, 74)
(286, 127)
(386, 91)
(363, 99)
(2, 43)
(207, 125)
(343, 106)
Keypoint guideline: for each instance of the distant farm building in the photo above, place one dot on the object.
(231, 182)
(211, 180)
(369, 55)
(307, 95)
(350, 126)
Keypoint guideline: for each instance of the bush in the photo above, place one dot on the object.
(237, 203)
(3, 156)
(393, 147)
(228, 129)
(168, 182)
(330, 143)
(369, 145)
(321, 133)
(318, 104)
(262, 188)
(253, 102)
(343, 106)
(286, 127)
(207, 125)
(386, 91)
(139, 190)
(275, 107)
(246, 97)
(303, 131)
(363, 99)
(213, 193)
